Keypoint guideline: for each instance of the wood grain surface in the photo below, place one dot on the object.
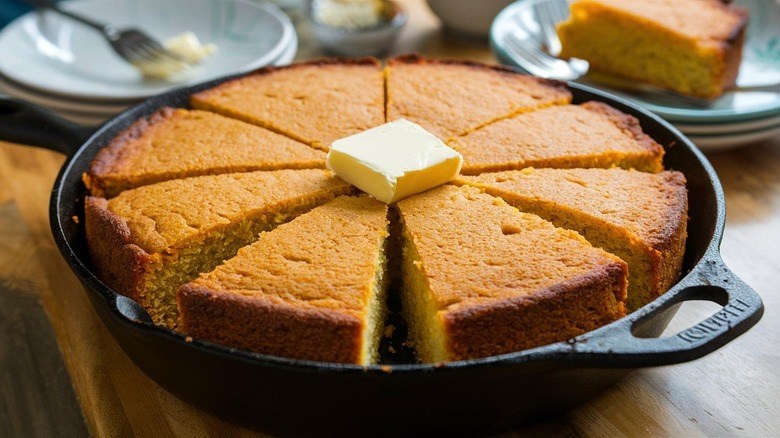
(48, 327)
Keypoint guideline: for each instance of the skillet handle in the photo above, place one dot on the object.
(621, 344)
(25, 123)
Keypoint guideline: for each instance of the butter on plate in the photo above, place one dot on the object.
(393, 161)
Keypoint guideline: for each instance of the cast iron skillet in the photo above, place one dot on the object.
(286, 396)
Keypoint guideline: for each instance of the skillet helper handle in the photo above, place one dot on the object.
(621, 344)
(25, 123)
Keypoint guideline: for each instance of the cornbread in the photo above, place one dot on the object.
(184, 218)
(640, 217)
(290, 295)
(148, 241)
(693, 47)
(179, 143)
(481, 278)
(314, 102)
(450, 98)
(589, 135)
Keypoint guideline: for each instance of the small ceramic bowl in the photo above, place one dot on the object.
(469, 18)
(371, 41)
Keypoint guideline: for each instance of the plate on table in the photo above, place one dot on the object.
(58, 56)
(760, 66)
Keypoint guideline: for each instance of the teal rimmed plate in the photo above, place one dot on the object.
(760, 66)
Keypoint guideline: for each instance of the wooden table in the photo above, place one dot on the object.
(734, 391)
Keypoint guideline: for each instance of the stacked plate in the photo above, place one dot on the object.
(748, 114)
(57, 63)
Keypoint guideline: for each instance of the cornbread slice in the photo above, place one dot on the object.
(450, 98)
(148, 241)
(480, 278)
(177, 143)
(313, 288)
(589, 135)
(314, 102)
(693, 47)
(640, 217)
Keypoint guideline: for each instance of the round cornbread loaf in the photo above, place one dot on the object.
(243, 244)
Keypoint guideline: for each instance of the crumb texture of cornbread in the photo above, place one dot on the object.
(165, 234)
(292, 295)
(481, 278)
(450, 98)
(589, 135)
(179, 143)
(640, 217)
(314, 102)
(693, 47)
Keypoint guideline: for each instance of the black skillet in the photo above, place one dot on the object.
(285, 396)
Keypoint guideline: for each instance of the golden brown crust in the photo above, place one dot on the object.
(413, 58)
(638, 216)
(289, 294)
(348, 100)
(502, 280)
(178, 143)
(630, 125)
(111, 246)
(570, 308)
(424, 91)
(270, 327)
(116, 151)
(588, 135)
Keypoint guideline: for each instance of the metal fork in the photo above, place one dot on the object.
(530, 57)
(133, 45)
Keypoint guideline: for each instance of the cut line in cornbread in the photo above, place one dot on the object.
(148, 241)
(481, 278)
(178, 143)
(589, 135)
(450, 98)
(314, 102)
(640, 217)
(290, 295)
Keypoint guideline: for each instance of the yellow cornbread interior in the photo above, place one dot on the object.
(640, 49)
(187, 226)
(376, 312)
(426, 330)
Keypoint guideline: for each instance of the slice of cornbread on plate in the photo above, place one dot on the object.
(589, 135)
(450, 97)
(481, 278)
(313, 288)
(693, 47)
(178, 143)
(640, 217)
(148, 241)
(313, 102)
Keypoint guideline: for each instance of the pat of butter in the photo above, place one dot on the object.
(394, 160)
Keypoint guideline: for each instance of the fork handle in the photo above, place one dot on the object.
(108, 30)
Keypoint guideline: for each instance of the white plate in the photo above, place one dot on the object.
(58, 56)
(714, 143)
(728, 128)
(760, 65)
(93, 114)
(58, 103)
